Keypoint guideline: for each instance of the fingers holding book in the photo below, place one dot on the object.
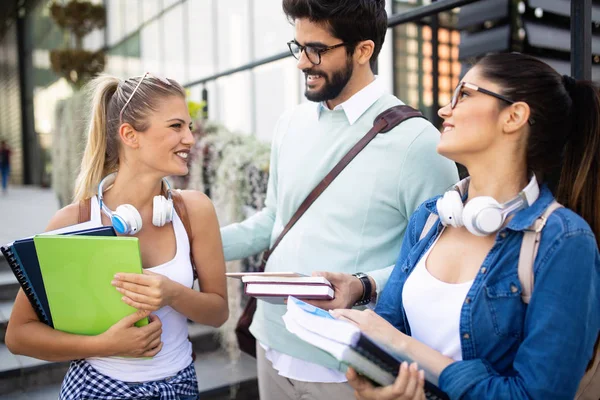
(372, 325)
(147, 291)
(409, 385)
(124, 339)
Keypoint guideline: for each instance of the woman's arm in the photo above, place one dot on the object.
(28, 336)
(151, 291)
(409, 349)
(209, 306)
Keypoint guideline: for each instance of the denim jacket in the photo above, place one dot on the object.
(512, 350)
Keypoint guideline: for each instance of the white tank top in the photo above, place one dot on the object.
(176, 353)
(433, 309)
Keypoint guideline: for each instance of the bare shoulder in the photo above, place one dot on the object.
(197, 204)
(68, 215)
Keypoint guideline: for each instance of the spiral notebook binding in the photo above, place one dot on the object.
(15, 266)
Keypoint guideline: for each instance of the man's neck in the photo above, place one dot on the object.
(358, 81)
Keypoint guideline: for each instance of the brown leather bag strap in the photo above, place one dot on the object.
(85, 210)
(181, 211)
(383, 123)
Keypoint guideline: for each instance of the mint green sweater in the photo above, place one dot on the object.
(357, 224)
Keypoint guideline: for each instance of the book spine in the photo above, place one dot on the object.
(15, 265)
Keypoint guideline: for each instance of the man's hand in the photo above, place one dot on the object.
(347, 290)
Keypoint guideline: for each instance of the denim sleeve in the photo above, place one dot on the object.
(389, 303)
(560, 329)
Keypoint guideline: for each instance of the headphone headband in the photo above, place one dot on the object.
(126, 219)
(482, 215)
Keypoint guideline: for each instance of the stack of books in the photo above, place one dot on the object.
(344, 341)
(275, 287)
(66, 275)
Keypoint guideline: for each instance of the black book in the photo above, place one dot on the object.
(23, 261)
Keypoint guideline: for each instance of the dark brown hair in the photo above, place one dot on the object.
(351, 21)
(563, 147)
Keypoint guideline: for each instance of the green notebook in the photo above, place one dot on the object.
(77, 271)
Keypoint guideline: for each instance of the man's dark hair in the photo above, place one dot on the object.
(349, 20)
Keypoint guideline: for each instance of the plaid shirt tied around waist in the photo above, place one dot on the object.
(83, 382)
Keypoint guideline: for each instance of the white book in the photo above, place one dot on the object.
(240, 275)
(277, 293)
(344, 341)
(71, 228)
(286, 279)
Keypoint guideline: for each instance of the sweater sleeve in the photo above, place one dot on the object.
(253, 235)
(425, 173)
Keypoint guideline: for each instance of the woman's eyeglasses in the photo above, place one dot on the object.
(312, 53)
(459, 89)
(161, 79)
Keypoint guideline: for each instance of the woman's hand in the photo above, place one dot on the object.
(374, 326)
(147, 291)
(409, 385)
(127, 340)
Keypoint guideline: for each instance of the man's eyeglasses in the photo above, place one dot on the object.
(312, 53)
(459, 89)
(163, 80)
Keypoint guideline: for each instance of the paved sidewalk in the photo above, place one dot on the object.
(25, 211)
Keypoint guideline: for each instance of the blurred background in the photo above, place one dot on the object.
(231, 56)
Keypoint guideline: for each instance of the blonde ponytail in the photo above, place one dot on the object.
(100, 139)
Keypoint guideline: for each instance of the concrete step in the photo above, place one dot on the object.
(5, 311)
(19, 372)
(3, 263)
(8, 285)
(218, 379)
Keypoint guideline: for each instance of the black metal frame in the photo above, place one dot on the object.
(581, 37)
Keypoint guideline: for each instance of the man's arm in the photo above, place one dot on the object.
(249, 237)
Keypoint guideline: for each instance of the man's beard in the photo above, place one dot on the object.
(331, 89)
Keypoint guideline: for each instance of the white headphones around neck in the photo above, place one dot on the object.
(482, 215)
(126, 219)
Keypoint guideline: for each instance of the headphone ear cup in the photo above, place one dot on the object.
(450, 209)
(483, 216)
(127, 220)
(162, 211)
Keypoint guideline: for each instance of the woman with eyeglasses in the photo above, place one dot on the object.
(139, 133)
(455, 303)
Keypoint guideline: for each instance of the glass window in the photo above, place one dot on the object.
(131, 8)
(150, 48)
(277, 89)
(201, 38)
(233, 35)
(271, 28)
(114, 21)
(150, 9)
(234, 98)
(174, 48)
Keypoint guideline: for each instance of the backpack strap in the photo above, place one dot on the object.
(181, 211)
(529, 249)
(85, 210)
(431, 220)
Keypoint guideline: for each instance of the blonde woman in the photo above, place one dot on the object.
(139, 133)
